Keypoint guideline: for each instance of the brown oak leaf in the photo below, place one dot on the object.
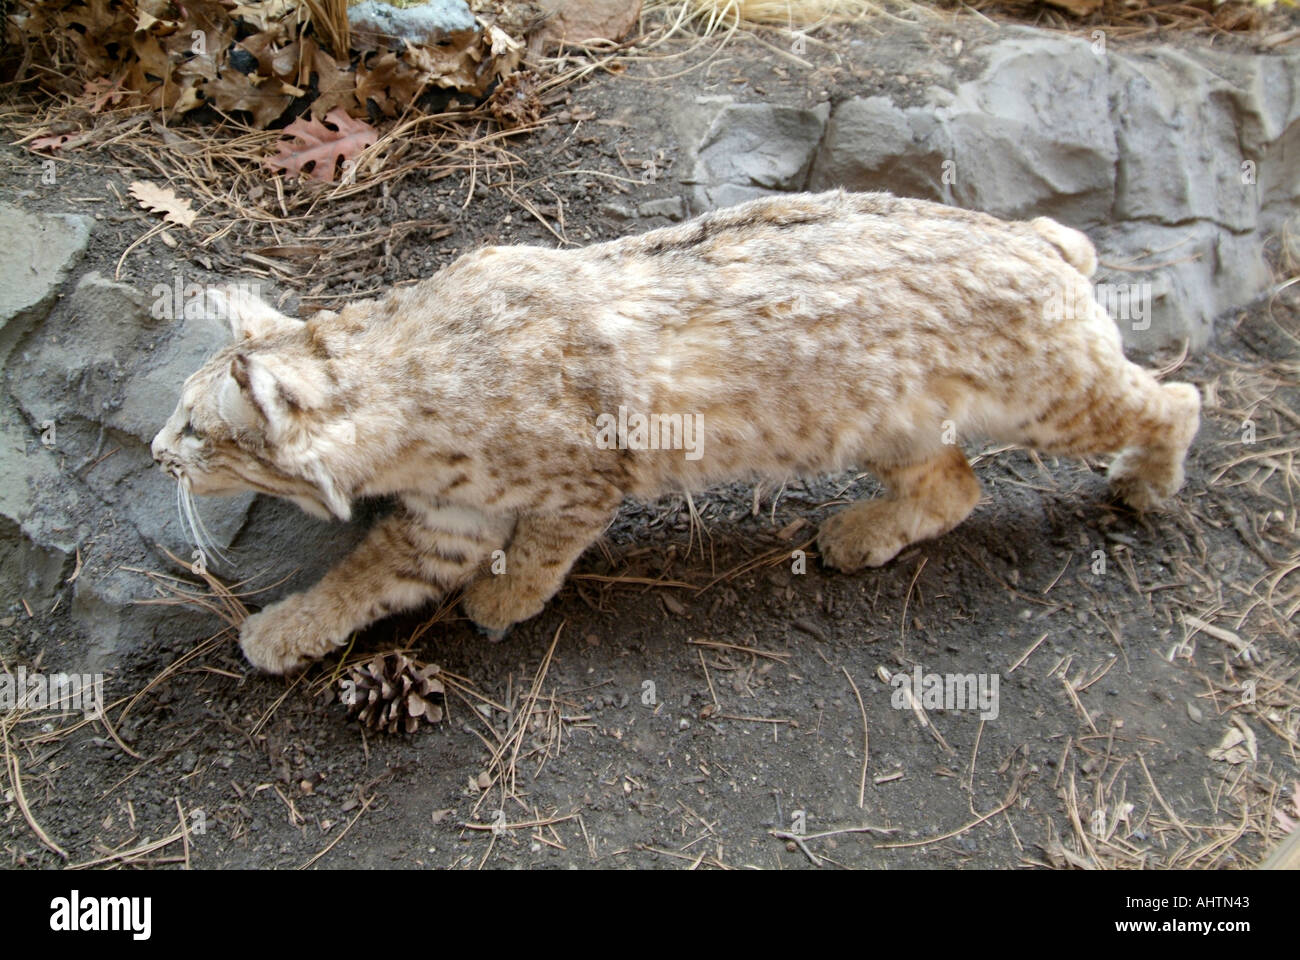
(386, 80)
(105, 92)
(266, 14)
(318, 148)
(265, 100)
(163, 200)
(336, 82)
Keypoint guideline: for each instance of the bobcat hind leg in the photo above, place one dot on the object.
(926, 499)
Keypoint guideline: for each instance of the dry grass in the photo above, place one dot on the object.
(780, 13)
(1134, 18)
(1120, 18)
(330, 20)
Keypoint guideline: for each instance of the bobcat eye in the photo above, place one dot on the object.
(189, 431)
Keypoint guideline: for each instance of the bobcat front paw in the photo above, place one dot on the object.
(496, 603)
(283, 637)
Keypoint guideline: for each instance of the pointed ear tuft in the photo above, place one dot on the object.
(239, 371)
(278, 390)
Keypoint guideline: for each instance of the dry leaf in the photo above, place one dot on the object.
(264, 14)
(105, 91)
(319, 149)
(49, 143)
(336, 83)
(163, 200)
(386, 81)
(1238, 744)
(234, 91)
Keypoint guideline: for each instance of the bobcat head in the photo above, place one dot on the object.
(260, 415)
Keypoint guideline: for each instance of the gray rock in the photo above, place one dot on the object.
(691, 118)
(673, 208)
(38, 251)
(1032, 135)
(26, 465)
(148, 397)
(753, 149)
(620, 210)
(282, 549)
(1200, 272)
(424, 24)
(1180, 154)
(112, 361)
(871, 144)
(107, 370)
(119, 612)
(29, 571)
(130, 483)
(1179, 159)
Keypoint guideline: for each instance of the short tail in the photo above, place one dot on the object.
(1075, 248)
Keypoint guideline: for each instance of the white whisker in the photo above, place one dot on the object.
(180, 510)
(192, 523)
(204, 536)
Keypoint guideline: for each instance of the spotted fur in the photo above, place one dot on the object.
(811, 333)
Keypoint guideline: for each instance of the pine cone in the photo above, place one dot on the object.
(393, 693)
(514, 102)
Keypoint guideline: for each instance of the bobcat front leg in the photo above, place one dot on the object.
(417, 554)
(538, 559)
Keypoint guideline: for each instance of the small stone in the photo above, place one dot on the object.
(673, 208)
(578, 20)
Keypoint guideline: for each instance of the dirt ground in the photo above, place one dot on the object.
(692, 691)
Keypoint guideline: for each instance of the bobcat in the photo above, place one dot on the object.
(805, 333)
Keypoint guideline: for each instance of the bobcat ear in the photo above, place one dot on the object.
(269, 394)
(277, 389)
(248, 314)
(235, 402)
(265, 393)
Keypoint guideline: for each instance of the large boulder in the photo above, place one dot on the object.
(578, 21)
(872, 144)
(1032, 136)
(38, 251)
(1181, 154)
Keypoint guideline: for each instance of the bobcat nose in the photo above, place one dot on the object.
(162, 456)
